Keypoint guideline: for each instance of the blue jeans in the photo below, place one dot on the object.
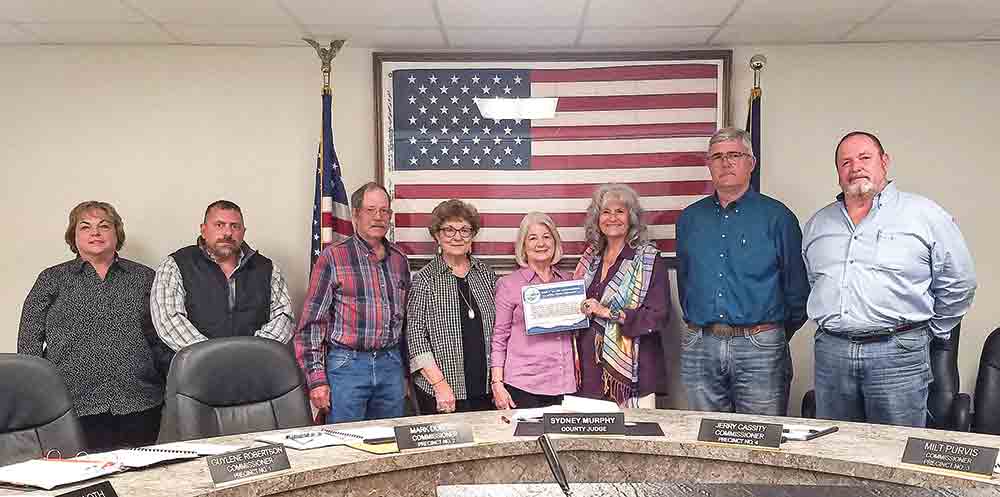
(875, 382)
(746, 374)
(364, 385)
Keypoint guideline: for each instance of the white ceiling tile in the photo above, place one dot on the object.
(511, 38)
(928, 11)
(639, 13)
(652, 38)
(369, 37)
(236, 35)
(98, 33)
(383, 13)
(882, 31)
(226, 12)
(11, 34)
(67, 11)
(814, 12)
(511, 13)
(784, 33)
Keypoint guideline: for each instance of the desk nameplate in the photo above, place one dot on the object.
(102, 489)
(951, 456)
(247, 463)
(743, 433)
(612, 423)
(425, 435)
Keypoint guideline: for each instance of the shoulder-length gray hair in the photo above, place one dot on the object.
(636, 226)
(530, 219)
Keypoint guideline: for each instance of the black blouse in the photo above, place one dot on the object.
(94, 331)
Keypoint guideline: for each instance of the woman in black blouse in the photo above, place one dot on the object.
(449, 321)
(90, 317)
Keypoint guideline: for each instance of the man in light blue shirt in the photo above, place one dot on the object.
(889, 271)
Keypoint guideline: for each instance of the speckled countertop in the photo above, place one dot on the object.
(857, 451)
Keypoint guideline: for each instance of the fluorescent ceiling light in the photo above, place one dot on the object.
(517, 108)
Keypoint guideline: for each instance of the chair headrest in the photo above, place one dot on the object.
(991, 349)
(31, 391)
(234, 371)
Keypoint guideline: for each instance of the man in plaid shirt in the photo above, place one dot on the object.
(347, 341)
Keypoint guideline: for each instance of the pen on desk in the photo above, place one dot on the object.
(505, 419)
(380, 440)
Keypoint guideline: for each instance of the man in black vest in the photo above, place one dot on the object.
(219, 287)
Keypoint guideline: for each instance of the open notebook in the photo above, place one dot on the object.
(328, 436)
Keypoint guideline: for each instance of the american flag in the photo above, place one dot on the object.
(331, 214)
(646, 125)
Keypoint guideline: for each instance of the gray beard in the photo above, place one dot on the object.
(860, 189)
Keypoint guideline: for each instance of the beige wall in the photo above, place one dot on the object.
(162, 131)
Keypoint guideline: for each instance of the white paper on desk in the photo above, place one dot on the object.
(51, 473)
(354, 435)
(535, 413)
(303, 439)
(142, 457)
(202, 449)
(572, 403)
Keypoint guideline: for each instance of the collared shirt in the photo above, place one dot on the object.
(170, 312)
(354, 301)
(538, 364)
(434, 321)
(905, 262)
(741, 264)
(94, 332)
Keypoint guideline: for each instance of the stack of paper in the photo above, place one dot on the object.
(583, 404)
(51, 473)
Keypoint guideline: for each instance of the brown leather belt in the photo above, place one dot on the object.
(727, 331)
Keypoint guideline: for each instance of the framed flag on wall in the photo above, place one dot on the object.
(638, 118)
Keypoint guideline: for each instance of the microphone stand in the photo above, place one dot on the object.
(551, 457)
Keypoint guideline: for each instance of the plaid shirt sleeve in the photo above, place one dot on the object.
(168, 310)
(314, 323)
(281, 325)
(417, 337)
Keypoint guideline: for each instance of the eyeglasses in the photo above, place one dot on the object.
(450, 232)
(371, 211)
(728, 156)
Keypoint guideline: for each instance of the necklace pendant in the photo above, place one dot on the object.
(472, 314)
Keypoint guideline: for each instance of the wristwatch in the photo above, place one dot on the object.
(616, 315)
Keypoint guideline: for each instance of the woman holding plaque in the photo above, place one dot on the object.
(530, 370)
(450, 316)
(621, 354)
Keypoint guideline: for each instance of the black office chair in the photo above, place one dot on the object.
(947, 408)
(987, 405)
(36, 413)
(233, 385)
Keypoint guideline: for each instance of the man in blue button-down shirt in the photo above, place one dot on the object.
(743, 288)
(888, 271)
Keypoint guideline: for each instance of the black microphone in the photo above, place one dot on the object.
(551, 457)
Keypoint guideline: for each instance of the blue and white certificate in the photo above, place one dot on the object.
(554, 307)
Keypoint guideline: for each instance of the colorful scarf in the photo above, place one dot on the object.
(617, 354)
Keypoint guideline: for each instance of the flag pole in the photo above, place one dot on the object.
(757, 63)
(326, 56)
(329, 199)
